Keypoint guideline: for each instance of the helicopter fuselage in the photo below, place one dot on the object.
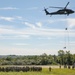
(62, 12)
(65, 11)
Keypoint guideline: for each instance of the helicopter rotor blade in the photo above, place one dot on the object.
(46, 8)
(56, 7)
(66, 5)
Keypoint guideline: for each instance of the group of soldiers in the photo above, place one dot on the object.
(68, 66)
(65, 66)
(18, 69)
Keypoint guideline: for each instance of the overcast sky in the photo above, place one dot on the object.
(26, 30)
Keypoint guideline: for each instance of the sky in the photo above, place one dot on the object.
(25, 29)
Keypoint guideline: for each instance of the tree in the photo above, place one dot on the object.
(69, 58)
(61, 54)
(73, 58)
(44, 59)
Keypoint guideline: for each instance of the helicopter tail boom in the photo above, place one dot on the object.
(47, 13)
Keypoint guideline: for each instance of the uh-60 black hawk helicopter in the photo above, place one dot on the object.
(61, 11)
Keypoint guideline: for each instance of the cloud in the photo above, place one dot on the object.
(19, 17)
(43, 38)
(8, 8)
(17, 36)
(10, 19)
(33, 30)
(71, 22)
(45, 32)
(7, 50)
(2, 26)
(21, 44)
(33, 26)
(39, 24)
(30, 25)
(25, 51)
(11, 33)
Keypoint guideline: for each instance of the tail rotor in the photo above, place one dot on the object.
(45, 9)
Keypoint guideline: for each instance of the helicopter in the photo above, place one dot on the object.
(61, 11)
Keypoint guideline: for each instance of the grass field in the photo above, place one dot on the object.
(45, 71)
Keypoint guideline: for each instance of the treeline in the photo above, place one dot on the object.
(63, 58)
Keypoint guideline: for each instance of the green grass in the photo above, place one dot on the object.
(45, 71)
